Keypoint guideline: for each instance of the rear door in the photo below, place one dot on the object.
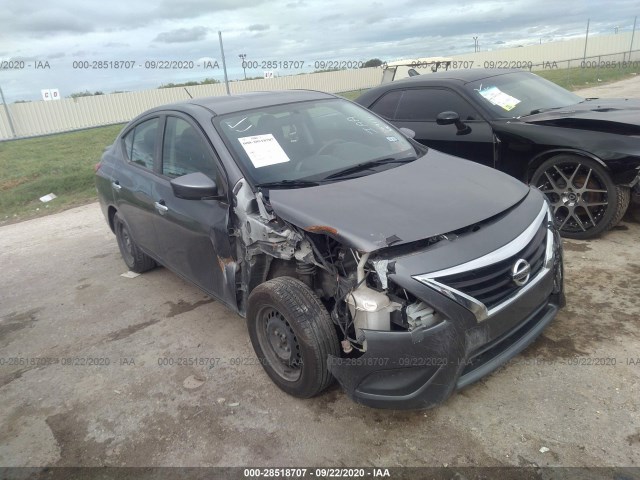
(134, 182)
(193, 234)
(417, 109)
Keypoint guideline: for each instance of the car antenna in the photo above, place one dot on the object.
(185, 89)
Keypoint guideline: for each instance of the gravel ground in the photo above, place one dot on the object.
(108, 401)
(629, 88)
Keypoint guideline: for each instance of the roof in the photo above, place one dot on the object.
(463, 76)
(234, 103)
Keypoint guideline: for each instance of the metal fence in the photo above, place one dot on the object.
(561, 50)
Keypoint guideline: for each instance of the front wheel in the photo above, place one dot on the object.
(582, 194)
(292, 335)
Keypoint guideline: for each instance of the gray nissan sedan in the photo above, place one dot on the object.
(354, 252)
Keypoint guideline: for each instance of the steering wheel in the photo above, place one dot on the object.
(331, 144)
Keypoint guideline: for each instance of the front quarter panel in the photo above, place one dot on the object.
(523, 146)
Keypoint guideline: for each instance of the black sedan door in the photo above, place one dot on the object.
(193, 233)
(417, 109)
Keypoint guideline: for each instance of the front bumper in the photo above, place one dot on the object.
(421, 368)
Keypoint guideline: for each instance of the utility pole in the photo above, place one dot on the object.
(475, 44)
(6, 109)
(243, 56)
(586, 38)
(224, 63)
(633, 32)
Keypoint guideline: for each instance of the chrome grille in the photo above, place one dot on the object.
(493, 284)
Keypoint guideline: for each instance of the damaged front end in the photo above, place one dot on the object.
(353, 286)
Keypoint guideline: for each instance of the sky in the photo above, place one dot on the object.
(42, 41)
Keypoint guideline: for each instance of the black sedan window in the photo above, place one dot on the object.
(140, 143)
(520, 93)
(310, 140)
(424, 104)
(387, 105)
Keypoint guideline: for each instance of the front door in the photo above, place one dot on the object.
(193, 234)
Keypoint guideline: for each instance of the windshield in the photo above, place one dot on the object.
(522, 93)
(311, 141)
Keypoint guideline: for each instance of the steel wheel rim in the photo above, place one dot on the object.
(127, 244)
(577, 194)
(279, 344)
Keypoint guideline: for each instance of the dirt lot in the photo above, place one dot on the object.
(63, 299)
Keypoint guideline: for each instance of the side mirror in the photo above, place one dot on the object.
(408, 132)
(194, 186)
(448, 118)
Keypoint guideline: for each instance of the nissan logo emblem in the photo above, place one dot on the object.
(520, 272)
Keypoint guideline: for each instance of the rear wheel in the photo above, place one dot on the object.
(581, 192)
(292, 335)
(136, 259)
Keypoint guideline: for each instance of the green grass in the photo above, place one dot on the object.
(62, 164)
(576, 78)
(353, 94)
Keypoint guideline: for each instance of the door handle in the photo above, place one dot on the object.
(116, 185)
(161, 207)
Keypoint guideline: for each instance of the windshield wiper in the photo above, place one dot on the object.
(540, 110)
(288, 184)
(367, 166)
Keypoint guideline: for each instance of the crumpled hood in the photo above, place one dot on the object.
(433, 195)
(620, 116)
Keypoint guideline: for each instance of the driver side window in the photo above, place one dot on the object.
(185, 151)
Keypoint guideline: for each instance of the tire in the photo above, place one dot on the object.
(133, 257)
(581, 192)
(292, 336)
(624, 198)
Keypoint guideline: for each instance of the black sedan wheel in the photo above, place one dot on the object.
(581, 192)
(292, 335)
(136, 260)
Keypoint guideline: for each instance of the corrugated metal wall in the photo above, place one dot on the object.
(5, 131)
(39, 118)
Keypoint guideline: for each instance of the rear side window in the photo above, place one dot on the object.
(425, 104)
(387, 105)
(140, 143)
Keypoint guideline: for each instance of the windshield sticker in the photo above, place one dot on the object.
(392, 139)
(263, 150)
(362, 125)
(499, 98)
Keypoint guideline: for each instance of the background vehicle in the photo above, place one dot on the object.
(399, 69)
(327, 229)
(584, 154)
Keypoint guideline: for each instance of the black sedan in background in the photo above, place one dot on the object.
(584, 154)
(354, 252)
